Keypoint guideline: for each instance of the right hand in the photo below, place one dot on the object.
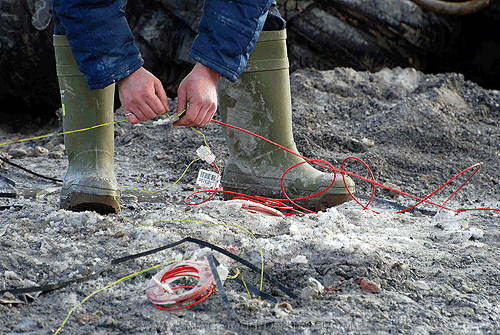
(200, 91)
(142, 94)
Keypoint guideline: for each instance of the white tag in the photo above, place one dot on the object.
(208, 179)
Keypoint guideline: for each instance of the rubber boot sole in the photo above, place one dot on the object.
(80, 202)
(317, 203)
(84, 198)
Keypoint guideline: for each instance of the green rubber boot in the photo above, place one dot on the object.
(90, 182)
(260, 101)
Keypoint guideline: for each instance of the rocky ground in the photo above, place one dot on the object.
(420, 272)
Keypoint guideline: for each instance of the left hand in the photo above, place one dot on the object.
(142, 96)
(199, 90)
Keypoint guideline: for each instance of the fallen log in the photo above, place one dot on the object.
(453, 8)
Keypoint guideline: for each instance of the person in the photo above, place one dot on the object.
(95, 50)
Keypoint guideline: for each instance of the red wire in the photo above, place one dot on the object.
(372, 181)
(278, 203)
(214, 192)
(209, 292)
(183, 271)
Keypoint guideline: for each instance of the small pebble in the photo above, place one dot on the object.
(11, 275)
(476, 233)
(38, 151)
(368, 142)
(285, 305)
(9, 296)
(294, 230)
(17, 153)
(301, 259)
(466, 289)
(316, 285)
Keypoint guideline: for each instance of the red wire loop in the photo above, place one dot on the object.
(208, 293)
(159, 296)
(281, 205)
(372, 181)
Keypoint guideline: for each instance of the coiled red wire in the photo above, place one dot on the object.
(180, 272)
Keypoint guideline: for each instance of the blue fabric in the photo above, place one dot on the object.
(104, 48)
(100, 39)
(227, 34)
(274, 20)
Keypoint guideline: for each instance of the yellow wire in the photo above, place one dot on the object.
(151, 192)
(114, 283)
(245, 284)
(106, 287)
(63, 133)
(204, 138)
(235, 275)
(83, 129)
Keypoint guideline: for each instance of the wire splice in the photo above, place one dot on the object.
(206, 154)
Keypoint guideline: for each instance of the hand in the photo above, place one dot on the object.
(142, 94)
(199, 90)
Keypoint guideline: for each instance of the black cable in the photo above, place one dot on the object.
(9, 191)
(52, 287)
(29, 171)
(218, 249)
(98, 272)
(255, 290)
(220, 287)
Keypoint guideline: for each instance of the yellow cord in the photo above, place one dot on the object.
(151, 192)
(63, 133)
(114, 283)
(83, 129)
(235, 275)
(245, 284)
(148, 192)
(106, 287)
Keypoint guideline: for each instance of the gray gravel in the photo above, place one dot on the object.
(354, 271)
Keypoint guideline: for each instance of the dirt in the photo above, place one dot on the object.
(423, 271)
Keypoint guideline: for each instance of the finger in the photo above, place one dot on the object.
(208, 116)
(190, 117)
(131, 118)
(200, 118)
(139, 115)
(145, 110)
(156, 106)
(160, 93)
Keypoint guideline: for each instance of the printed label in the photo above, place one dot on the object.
(208, 179)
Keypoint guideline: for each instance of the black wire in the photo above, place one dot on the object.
(29, 171)
(99, 271)
(276, 283)
(220, 287)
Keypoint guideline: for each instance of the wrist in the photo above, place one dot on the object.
(130, 76)
(208, 71)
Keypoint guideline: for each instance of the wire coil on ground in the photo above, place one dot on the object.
(163, 296)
